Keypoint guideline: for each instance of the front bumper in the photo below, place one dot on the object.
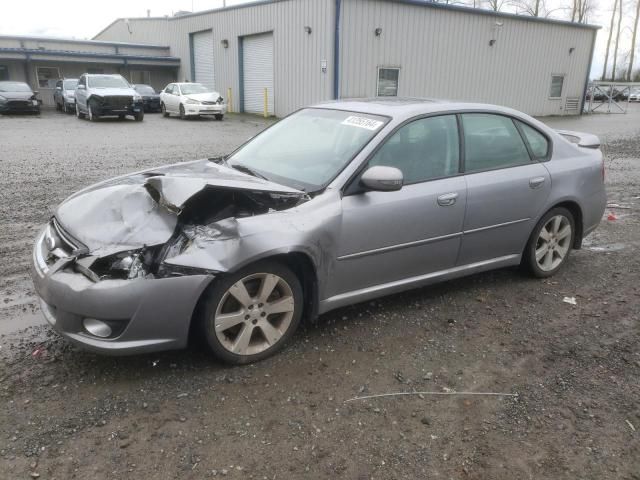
(151, 105)
(153, 314)
(20, 106)
(216, 109)
(106, 109)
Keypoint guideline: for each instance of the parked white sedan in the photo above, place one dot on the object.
(191, 100)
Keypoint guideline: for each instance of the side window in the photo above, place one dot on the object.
(538, 143)
(557, 82)
(176, 90)
(388, 81)
(59, 84)
(82, 81)
(492, 141)
(423, 149)
(169, 89)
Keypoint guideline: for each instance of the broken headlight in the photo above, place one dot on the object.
(125, 265)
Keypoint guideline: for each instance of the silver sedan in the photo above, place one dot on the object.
(335, 204)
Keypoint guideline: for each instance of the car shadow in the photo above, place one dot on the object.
(196, 359)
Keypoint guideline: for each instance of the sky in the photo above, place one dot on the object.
(64, 19)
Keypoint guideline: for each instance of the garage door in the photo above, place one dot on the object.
(257, 64)
(203, 58)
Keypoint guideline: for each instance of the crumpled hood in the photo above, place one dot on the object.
(142, 209)
(204, 97)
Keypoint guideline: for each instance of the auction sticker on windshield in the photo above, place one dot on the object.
(363, 122)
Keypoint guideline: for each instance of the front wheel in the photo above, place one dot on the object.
(550, 243)
(251, 314)
(92, 110)
(163, 109)
(182, 114)
(219, 116)
(139, 116)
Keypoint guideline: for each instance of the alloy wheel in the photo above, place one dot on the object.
(254, 314)
(553, 243)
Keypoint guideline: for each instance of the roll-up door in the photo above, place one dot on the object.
(203, 59)
(257, 68)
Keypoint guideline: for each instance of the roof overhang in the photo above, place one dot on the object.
(89, 57)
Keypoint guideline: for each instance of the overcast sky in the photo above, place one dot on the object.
(70, 19)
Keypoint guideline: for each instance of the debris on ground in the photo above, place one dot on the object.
(570, 300)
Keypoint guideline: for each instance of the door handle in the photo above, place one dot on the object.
(447, 199)
(536, 182)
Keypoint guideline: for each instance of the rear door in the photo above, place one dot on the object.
(507, 186)
(392, 236)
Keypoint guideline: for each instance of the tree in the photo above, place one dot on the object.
(496, 5)
(606, 55)
(581, 9)
(633, 40)
(534, 8)
(615, 49)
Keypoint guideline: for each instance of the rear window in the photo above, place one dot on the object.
(492, 141)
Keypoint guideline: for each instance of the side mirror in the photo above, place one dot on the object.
(35, 92)
(58, 88)
(382, 179)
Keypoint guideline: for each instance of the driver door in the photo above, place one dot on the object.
(389, 237)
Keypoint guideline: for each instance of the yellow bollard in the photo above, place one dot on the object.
(229, 101)
(266, 103)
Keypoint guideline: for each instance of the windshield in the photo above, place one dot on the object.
(107, 82)
(70, 84)
(14, 87)
(309, 148)
(193, 88)
(145, 89)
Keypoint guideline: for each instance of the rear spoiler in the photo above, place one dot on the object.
(585, 140)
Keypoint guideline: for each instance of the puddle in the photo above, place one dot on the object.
(611, 247)
(12, 324)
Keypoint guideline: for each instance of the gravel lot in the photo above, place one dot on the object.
(575, 369)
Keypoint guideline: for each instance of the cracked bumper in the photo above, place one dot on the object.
(155, 313)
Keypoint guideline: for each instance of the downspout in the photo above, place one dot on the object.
(586, 80)
(336, 52)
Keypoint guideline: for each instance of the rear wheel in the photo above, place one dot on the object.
(182, 114)
(251, 314)
(163, 109)
(550, 243)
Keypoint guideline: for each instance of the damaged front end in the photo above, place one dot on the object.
(125, 230)
(101, 264)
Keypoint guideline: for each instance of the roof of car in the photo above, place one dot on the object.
(407, 107)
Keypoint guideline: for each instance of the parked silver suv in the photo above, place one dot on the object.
(104, 95)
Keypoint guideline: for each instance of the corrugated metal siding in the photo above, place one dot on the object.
(446, 54)
(153, 31)
(298, 75)
(257, 68)
(203, 59)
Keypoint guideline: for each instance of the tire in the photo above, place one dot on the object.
(58, 107)
(183, 116)
(91, 112)
(121, 117)
(163, 109)
(219, 117)
(79, 114)
(550, 243)
(139, 116)
(249, 322)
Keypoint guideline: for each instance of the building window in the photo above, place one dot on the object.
(557, 82)
(140, 76)
(388, 81)
(47, 76)
(4, 72)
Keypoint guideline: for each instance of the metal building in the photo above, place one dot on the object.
(304, 51)
(40, 62)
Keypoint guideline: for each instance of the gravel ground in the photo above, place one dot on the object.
(575, 369)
